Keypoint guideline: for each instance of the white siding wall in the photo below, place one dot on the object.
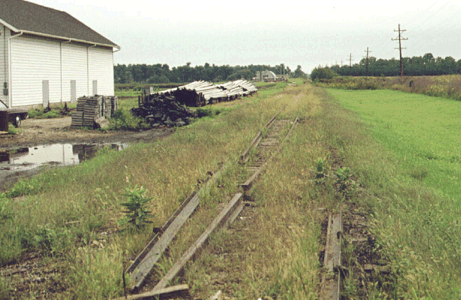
(4, 35)
(74, 67)
(102, 69)
(32, 61)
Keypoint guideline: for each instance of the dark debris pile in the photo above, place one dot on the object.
(163, 110)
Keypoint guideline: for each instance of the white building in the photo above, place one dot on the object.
(48, 56)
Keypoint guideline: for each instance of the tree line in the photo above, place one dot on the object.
(412, 66)
(162, 73)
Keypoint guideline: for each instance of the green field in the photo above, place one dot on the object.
(423, 132)
(417, 208)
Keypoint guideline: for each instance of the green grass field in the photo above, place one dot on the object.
(413, 183)
(423, 132)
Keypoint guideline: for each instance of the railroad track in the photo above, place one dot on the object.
(266, 143)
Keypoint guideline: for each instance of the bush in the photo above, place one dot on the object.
(323, 73)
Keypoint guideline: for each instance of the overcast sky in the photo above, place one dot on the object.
(243, 32)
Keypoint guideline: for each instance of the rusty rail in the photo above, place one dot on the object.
(146, 260)
(222, 218)
(248, 184)
(258, 137)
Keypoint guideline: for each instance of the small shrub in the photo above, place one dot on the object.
(5, 212)
(136, 213)
(124, 120)
(22, 188)
(320, 168)
(207, 112)
(419, 173)
(12, 129)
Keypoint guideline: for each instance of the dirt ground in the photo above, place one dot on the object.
(35, 132)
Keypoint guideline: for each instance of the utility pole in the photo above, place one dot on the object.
(400, 39)
(350, 64)
(367, 51)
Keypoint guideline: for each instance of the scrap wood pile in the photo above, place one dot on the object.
(92, 110)
(200, 93)
(164, 110)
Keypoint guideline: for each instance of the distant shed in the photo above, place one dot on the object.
(48, 56)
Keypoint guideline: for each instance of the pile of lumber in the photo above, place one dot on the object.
(163, 109)
(200, 93)
(90, 109)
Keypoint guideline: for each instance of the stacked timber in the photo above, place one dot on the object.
(90, 109)
(199, 93)
(163, 110)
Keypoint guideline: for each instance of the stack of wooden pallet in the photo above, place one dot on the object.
(89, 109)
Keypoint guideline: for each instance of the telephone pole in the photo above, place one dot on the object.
(350, 64)
(400, 39)
(367, 51)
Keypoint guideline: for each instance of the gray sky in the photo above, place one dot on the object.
(243, 32)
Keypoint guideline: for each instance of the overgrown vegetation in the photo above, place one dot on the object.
(123, 119)
(448, 86)
(67, 223)
(52, 112)
(388, 166)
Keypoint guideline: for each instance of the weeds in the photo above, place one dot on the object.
(124, 120)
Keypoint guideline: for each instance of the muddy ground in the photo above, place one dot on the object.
(35, 132)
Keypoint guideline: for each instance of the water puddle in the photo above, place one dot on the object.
(26, 162)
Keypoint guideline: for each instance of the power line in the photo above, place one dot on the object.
(400, 39)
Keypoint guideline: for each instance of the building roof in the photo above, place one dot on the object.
(31, 18)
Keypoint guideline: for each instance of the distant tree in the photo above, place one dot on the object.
(164, 79)
(299, 73)
(154, 79)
